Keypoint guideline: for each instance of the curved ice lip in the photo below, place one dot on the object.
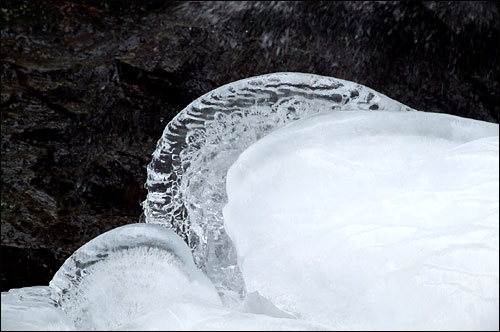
(119, 239)
(186, 177)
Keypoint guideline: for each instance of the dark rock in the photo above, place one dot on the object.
(87, 88)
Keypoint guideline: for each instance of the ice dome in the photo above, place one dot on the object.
(371, 220)
(126, 273)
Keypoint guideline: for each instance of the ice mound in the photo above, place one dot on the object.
(127, 273)
(187, 175)
(193, 316)
(135, 277)
(372, 220)
(122, 275)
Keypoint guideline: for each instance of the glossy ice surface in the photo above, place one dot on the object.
(186, 177)
(372, 220)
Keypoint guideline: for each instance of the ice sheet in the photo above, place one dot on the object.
(135, 277)
(127, 273)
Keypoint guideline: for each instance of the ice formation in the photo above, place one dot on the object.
(135, 277)
(186, 177)
(372, 220)
(381, 217)
(122, 275)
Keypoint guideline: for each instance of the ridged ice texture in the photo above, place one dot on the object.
(128, 273)
(186, 177)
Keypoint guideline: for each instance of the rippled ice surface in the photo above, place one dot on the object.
(380, 217)
(186, 177)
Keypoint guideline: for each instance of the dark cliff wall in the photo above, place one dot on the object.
(87, 88)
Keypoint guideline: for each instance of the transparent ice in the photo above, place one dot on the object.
(186, 177)
(119, 276)
(126, 273)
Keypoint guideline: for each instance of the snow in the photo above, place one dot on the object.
(371, 220)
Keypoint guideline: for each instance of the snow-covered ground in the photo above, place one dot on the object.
(337, 216)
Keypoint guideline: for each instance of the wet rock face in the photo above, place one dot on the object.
(88, 87)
